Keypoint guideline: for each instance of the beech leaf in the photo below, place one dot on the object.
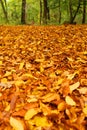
(30, 113)
(70, 101)
(16, 124)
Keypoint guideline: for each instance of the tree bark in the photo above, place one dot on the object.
(46, 14)
(59, 13)
(72, 17)
(23, 12)
(40, 12)
(4, 10)
(84, 12)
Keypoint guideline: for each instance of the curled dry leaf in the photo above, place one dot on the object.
(70, 101)
(16, 124)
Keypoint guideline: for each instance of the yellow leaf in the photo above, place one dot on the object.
(85, 52)
(39, 60)
(45, 109)
(41, 121)
(4, 80)
(21, 65)
(41, 68)
(70, 101)
(16, 124)
(50, 97)
(7, 108)
(61, 106)
(30, 113)
(8, 73)
(52, 75)
(21, 46)
(83, 90)
(59, 81)
(0, 62)
(85, 110)
(74, 86)
(18, 83)
(26, 76)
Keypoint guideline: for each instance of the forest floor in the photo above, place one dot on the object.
(43, 77)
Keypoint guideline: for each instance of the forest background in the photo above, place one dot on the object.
(41, 12)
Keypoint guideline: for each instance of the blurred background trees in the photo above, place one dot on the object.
(52, 12)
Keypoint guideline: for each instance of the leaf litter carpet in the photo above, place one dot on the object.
(43, 77)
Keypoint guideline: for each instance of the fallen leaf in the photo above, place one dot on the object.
(18, 83)
(8, 73)
(74, 86)
(26, 76)
(50, 97)
(21, 65)
(85, 110)
(45, 109)
(0, 62)
(41, 121)
(61, 106)
(83, 90)
(16, 124)
(30, 113)
(70, 101)
(4, 80)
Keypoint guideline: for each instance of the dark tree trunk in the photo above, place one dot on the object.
(59, 13)
(46, 14)
(72, 17)
(84, 11)
(40, 12)
(70, 10)
(23, 12)
(4, 10)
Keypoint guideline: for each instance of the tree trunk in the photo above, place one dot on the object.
(59, 13)
(84, 11)
(4, 11)
(46, 14)
(72, 17)
(23, 12)
(70, 10)
(40, 12)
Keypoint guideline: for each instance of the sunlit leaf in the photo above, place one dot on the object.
(85, 110)
(41, 121)
(83, 90)
(70, 101)
(21, 65)
(1, 62)
(50, 97)
(74, 86)
(30, 113)
(19, 82)
(8, 73)
(4, 80)
(16, 124)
